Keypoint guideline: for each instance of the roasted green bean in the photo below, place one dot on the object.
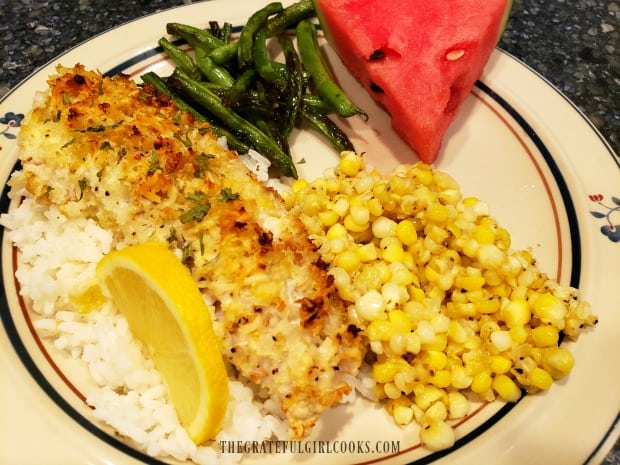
(204, 97)
(246, 38)
(324, 83)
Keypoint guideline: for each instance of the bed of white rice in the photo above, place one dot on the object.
(57, 260)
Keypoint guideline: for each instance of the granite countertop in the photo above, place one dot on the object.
(574, 44)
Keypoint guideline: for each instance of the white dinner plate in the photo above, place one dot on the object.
(548, 177)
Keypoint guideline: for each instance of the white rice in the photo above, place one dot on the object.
(57, 258)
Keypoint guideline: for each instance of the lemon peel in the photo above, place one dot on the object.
(166, 312)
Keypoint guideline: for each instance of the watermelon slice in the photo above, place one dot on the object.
(419, 59)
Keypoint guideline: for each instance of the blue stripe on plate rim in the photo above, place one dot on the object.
(29, 364)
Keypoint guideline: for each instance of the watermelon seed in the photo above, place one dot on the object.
(454, 55)
(377, 55)
(375, 88)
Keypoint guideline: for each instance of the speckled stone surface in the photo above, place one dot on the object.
(574, 44)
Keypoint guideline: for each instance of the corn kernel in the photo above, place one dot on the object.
(374, 207)
(350, 164)
(441, 379)
(367, 252)
(481, 382)
(519, 334)
(460, 378)
(458, 405)
(380, 330)
(490, 256)
(393, 253)
(469, 283)
(371, 305)
(383, 227)
(436, 412)
(557, 361)
(413, 344)
(348, 260)
(484, 233)
(299, 185)
(336, 231)
(506, 388)
(400, 321)
(516, 313)
(391, 391)
(403, 415)
(545, 336)
(549, 308)
(328, 217)
(500, 364)
(426, 395)
(406, 232)
(384, 372)
(437, 435)
(540, 379)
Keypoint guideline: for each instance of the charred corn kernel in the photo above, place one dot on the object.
(500, 364)
(545, 336)
(437, 435)
(403, 415)
(481, 382)
(458, 405)
(367, 252)
(557, 361)
(371, 306)
(516, 313)
(506, 388)
(337, 231)
(350, 163)
(348, 260)
(380, 330)
(383, 227)
(540, 379)
(549, 308)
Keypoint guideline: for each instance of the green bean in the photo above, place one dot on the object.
(214, 73)
(246, 38)
(194, 36)
(267, 69)
(325, 85)
(224, 53)
(182, 59)
(316, 104)
(290, 16)
(297, 84)
(239, 87)
(324, 125)
(242, 128)
(158, 83)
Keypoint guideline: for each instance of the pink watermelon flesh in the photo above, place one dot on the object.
(419, 59)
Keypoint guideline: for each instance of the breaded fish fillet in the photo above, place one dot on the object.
(107, 149)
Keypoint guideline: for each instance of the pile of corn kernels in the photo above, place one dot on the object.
(450, 313)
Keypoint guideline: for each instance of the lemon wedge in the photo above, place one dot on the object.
(166, 312)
